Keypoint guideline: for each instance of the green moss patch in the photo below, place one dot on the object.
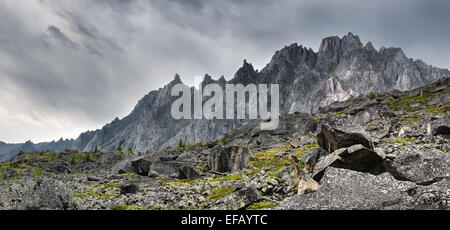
(261, 206)
(220, 192)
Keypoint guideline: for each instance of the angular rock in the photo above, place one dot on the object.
(332, 139)
(48, 194)
(441, 126)
(304, 182)
(312, 157)
(141, 165)
(237, 200)
(187, 172)
(165, 168)
(123, 166)
(346, 189)
(93, 178)
(357, 158)
(129, 188)
(421, 167)
(228, 159)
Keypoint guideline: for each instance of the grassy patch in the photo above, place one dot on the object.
(223, 141)
(414, 120)
(220, 192)
(261, 206)
(436, 110)
(82, 157)
(226, 178)
(112, 185)
(155, 208)
(402, 140)
(19, 169)
(301, 151)
(405, 102)
(127, 207)
(268, 159)
(184, 181)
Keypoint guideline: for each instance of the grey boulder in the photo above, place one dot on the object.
(237, 200)
(346, 189)
(48, 194)
(332, 139)
(228, 159)
(421, 167)
(356, 158)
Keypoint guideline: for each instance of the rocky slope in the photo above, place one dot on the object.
(341, 69)
(375, 151)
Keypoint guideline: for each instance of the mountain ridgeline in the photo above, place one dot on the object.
(342, 68)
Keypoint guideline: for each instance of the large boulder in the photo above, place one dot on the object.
(356, 157)
(228, 159)
(346, 189)
(332, 139)
(123, 166)
(141, 165)
(237, 200)
(166, 168)
(421, 167)
(129, 188)
(48, 194)
(441, 126)
(189, 173)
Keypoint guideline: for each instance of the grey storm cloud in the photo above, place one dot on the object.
(68, 66)
(55, 32)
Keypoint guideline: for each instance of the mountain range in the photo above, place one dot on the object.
(343, 68)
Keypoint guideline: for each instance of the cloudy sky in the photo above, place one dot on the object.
(69, 66)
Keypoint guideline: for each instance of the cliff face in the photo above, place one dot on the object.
(341, 69)
(386, 151)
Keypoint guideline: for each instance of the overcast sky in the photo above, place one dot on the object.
(69, 66)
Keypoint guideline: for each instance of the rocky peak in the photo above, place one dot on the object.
(350, 42)
(335, 46)
(222, 80)
(369, 46)
(246, 74)
(176, 80)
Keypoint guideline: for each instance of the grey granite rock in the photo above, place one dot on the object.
(345, 189)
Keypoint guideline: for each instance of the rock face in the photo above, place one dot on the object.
(189, 173)
(332, 139)
(421, 167)
(342, 68)
(357, 158)
(228, 159)
(391, 160)
(345, 189)
(48, 195)
(374, 151)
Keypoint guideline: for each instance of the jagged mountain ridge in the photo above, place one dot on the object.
(9, 150)
(341, 69)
